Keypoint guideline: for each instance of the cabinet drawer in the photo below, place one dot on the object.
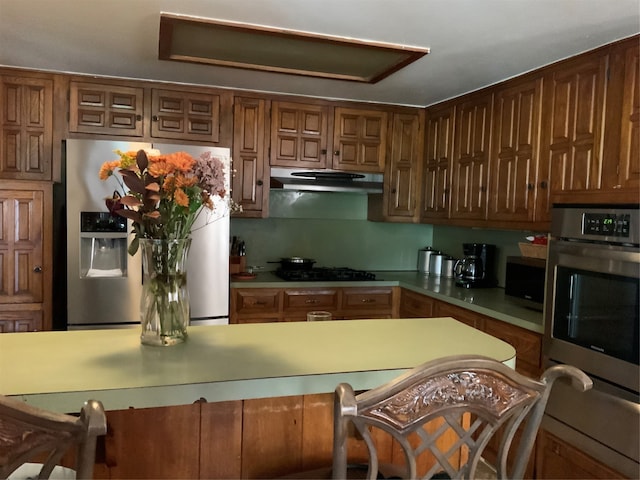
(257, 300)
(312, 299)
(367, 298)
(415, 305)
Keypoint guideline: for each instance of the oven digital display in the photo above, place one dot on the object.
(606, 224)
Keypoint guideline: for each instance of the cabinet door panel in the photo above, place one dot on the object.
(629, 173)
(299, 135)
(21, 246)
(436, 187)
(26, 123)
(406, 152)
(515, 152)
(185, 115)
(471, 161)
(249, 157)
(573, 141)
(359, 140)
(106, 109)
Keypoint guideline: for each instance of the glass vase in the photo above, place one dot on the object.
(164, 306)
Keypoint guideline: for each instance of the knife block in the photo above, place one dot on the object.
(237, 264)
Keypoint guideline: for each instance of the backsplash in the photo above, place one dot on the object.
(332, 228)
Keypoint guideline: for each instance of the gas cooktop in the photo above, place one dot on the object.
(324, 274)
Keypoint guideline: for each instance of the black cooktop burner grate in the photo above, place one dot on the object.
(328, 274)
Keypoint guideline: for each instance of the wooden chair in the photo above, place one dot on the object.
(468, 397)
(30, 434)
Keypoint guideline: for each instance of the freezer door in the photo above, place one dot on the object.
(97, 300)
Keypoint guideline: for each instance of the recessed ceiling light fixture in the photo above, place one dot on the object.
(240, 45)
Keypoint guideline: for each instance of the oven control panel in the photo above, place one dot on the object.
(606, 224)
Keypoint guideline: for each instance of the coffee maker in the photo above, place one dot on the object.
(477, 268)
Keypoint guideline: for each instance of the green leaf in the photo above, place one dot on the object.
(133, 246)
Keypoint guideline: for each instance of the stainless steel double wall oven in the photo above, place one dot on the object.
(591, 322)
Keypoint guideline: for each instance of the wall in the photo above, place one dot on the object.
(331, 228)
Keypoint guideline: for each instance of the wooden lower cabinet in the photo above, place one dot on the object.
(557, 459)
(257, 438)
(256, 305)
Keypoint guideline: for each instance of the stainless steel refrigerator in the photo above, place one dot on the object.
(103, 282)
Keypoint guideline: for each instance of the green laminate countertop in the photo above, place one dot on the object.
(488, 301)
(60, 370)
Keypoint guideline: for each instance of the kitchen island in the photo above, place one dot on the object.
(234, 401)
(59, 370)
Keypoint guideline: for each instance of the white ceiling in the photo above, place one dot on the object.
(473, 43)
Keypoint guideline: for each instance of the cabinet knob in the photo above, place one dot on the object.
(138, 117)
(259, 183)
(37, 269)
(368, 300)
(393, 190)
(311, 300)
(323, 151)
(154, 118)
(543, 184)
(336, 153)
(529, 186)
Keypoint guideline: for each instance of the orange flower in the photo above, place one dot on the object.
(108, 168)
(181, 198)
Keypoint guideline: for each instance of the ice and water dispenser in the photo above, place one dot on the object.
(103, 245)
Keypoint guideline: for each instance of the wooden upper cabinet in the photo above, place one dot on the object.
(436, 172)
(359, 140)
(250, 186)
(515, 152)
(629, 167)
(299, 135)
(403, 166)
(26, 127)
(471, 157)
(571, 160)
(106, 109)
(185, 115)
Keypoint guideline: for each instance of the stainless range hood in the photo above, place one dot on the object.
(325, 180)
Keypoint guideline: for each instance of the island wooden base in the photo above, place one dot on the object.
(258, 438)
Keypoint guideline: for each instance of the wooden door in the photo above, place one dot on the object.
(629, 167)
(185, 115)
(571, 151)
(436, 176)
(26, 127)
(515, 152)
(106, 109)
(471, 158)
(249, 157)
(21, 246)
(299, 135)
(404, 164)
(359, 140)
(25, 258)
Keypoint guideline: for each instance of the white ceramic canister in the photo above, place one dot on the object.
(423, 259)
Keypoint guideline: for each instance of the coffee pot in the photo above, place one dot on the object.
(477, 268)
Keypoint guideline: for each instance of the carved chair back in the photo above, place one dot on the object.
(464, 399)
(29, 434)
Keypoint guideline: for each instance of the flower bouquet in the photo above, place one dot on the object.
(165, 194)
